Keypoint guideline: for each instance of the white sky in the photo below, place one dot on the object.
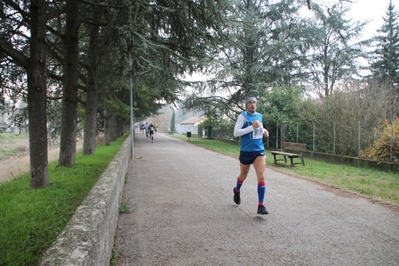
(371, 10)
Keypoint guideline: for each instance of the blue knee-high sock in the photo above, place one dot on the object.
(239, 184)
(261, 192)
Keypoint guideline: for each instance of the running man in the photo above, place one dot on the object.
(147, 130)
(151, 129)
(142, 128)
(249, 127)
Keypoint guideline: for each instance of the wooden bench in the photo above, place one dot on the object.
(290, 146)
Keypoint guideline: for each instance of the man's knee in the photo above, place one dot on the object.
(261, 177)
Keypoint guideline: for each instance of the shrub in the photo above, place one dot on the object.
(388, 137)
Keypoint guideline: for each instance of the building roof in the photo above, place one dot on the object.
(193, 120)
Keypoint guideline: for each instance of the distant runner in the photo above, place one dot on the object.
(152, 130)
(147, 130)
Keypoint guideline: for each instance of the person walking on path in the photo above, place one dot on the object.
(249, 127)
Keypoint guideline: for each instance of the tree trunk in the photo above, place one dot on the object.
(113, 127)
(107, 133)
(110, 128)
(70, 86)
(90, 126)
(249, 54)
(119, 128)
(37, 98)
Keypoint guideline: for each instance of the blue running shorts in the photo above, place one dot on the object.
(248, 157)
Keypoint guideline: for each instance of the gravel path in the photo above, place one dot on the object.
(182, 213)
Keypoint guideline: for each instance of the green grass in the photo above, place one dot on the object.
(31, 220)
(368, 182)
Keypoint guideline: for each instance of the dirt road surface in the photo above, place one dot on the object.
(182, 213)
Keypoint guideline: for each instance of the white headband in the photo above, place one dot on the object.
(250, 99)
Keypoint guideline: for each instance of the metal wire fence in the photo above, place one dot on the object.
(338, 138)
(346, 139)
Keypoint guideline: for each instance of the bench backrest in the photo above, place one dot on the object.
(293, 146)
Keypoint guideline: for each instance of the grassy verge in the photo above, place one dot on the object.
(31, 220)
(372, 183)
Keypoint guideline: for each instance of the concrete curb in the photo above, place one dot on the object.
(88, 237)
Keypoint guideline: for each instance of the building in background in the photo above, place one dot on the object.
(190, 125)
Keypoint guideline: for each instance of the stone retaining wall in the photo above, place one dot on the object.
(88, 238)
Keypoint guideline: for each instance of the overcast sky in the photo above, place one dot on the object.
(371, 10)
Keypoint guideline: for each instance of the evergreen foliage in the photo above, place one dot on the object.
(385, 59)
(260, 48)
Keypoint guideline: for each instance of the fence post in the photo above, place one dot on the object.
(333, 137)
(283, 128)
(358, 141)
(391, 148)
(277, 137)
(314, 136)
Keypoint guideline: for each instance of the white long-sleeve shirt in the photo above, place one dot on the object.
(238, 130)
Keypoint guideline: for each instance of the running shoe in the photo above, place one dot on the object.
(262, 210)
(237, 198)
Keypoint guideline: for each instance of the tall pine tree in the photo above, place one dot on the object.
(259, 49)
(335, 50)
(385, 62)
